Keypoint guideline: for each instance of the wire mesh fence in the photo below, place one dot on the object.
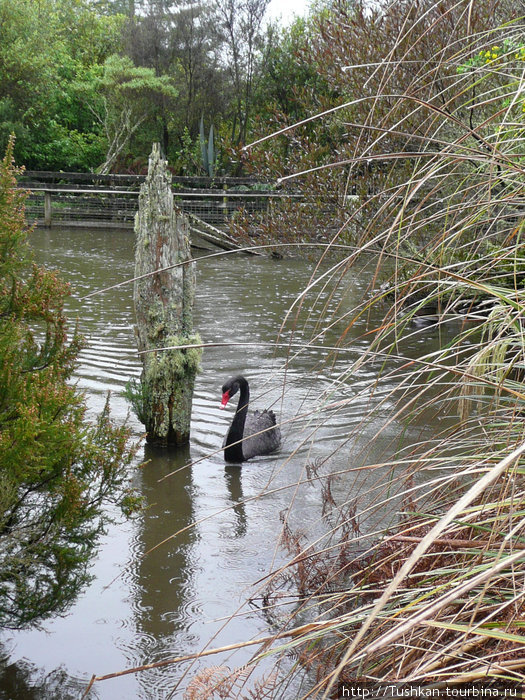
(90, 200)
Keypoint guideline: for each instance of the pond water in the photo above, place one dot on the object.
(219, 525)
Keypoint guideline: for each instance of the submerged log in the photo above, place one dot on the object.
(164, 311)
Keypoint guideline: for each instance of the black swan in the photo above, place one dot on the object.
(247, 426)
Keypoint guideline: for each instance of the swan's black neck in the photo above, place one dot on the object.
(236, 431)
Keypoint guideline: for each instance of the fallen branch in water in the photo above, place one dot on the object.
(296, 632)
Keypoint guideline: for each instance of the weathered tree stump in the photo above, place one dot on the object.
(164, 311)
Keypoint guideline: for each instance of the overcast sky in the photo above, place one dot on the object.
(287, 9)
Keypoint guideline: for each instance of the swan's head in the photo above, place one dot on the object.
(230, 388)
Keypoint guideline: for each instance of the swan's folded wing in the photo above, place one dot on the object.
(261, 435)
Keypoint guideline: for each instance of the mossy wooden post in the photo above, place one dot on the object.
(164, 308)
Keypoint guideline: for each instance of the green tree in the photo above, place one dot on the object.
(122, 97)
(44, 46)
(179, 38)
(291, 82)
(241, 27)
(58, 473)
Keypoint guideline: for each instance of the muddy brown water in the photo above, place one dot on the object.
(190, 593)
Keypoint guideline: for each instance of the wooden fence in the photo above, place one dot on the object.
(110, 201)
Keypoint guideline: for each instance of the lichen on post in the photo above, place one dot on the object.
(164, 311)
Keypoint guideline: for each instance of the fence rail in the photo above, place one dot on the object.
(110, 201)
(130, 181)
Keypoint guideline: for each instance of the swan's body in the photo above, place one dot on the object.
(251, 433)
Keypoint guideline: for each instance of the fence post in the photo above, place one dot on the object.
(225, 201)
(47, 209)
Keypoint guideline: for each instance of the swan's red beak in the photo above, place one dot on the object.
(225, 399)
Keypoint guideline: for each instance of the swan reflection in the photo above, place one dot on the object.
(234, 486)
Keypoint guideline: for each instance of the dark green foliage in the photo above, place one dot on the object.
(138, 396)
(58, 473)
(44, 48)
(88, 85)
(24, 680)
(121, 98)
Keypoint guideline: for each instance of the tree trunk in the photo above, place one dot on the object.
(164, 310)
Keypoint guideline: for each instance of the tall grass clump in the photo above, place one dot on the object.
(419, 576)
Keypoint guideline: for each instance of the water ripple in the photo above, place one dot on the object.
(208, 532)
